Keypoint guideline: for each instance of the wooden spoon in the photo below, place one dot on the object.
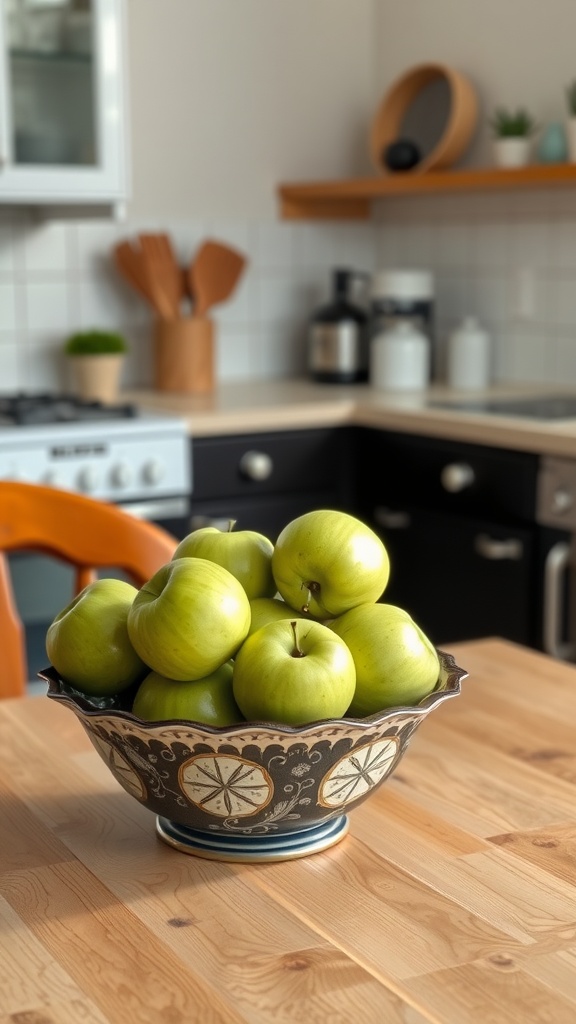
(213, 274)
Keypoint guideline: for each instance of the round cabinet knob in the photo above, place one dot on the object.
(256, 465)
(457, 476)
(562, 500)
(153, 471)
(88, 479)
(121, 474)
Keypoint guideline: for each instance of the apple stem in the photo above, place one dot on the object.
(231, 525)
(297, 652)
(313, 587)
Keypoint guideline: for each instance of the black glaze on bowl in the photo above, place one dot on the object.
(255, 778)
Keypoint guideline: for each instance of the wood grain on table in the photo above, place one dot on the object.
(452, 899)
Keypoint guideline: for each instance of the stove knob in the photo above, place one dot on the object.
(87, 479)
(52, 478)
(153, 471)
(457, 476)
(121, 474)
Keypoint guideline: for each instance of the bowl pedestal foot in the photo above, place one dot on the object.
(252, 848)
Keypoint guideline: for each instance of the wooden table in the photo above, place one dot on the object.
(452, 899)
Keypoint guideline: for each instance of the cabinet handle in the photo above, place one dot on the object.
(511, 549)
(391, 519)
(256, 465)
(557, 561)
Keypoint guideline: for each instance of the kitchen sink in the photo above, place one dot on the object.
(541, 407)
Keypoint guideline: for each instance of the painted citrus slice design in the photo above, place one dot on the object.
(121, 769)
(225, 785)
(357, 773)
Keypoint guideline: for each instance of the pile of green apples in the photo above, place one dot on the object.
(235, 628)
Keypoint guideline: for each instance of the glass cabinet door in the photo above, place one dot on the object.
(62, 133)
(51, 82)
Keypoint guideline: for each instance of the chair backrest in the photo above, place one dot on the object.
(81, 531)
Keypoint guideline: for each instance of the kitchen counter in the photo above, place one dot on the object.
(450, 901)
(300, 404)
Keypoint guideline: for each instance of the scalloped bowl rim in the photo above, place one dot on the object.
(454, 675)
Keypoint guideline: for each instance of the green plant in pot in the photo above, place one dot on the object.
(513, 131)
(96, 359)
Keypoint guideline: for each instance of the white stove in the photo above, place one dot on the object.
(138, 461)
(114, 453)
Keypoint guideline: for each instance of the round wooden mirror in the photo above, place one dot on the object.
(433, 106)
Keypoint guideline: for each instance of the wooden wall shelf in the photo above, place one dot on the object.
(352, 199)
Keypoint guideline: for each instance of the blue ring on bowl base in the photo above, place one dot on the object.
(288, 846)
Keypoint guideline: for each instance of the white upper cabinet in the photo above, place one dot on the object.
(63, 137)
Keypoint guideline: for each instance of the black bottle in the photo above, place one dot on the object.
(337, 337)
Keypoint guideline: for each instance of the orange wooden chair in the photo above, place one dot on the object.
(79, 531)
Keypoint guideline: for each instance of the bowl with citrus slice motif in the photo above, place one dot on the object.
(255, 790)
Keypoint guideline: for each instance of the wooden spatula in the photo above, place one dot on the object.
(129, 263)
(164, 278)
(214, 274)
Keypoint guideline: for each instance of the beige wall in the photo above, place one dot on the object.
(230, 97)
(516, 52)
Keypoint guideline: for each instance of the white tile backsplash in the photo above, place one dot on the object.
(508, 259)
(46, 248)
(7, 307)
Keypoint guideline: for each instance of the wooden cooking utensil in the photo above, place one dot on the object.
(129, 263)
(213, 274)
(164, 279)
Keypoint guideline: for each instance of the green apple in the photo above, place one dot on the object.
(270, 609)
(246, 554)
(189, 618)
(293, 671)
(396, 663)
(326, 562)
(88, 642)
(209, 700)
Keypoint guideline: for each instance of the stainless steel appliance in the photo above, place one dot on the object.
(532, 407)
(556, 507)
(141, 462)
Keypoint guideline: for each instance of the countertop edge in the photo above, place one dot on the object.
(279, 405)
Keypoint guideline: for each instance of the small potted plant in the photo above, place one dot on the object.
(513, 131)
(96, 359)
(571, 125)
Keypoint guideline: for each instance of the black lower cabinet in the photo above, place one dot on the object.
(264, 480)
(458, 521)
(440, 574)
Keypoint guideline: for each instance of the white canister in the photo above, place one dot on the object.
(469, 356)
(400, 358)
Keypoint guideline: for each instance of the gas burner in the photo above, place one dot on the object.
(23, 409)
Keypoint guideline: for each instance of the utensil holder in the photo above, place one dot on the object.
(184, 355)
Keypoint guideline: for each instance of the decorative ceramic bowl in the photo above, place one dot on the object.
(253, 791)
